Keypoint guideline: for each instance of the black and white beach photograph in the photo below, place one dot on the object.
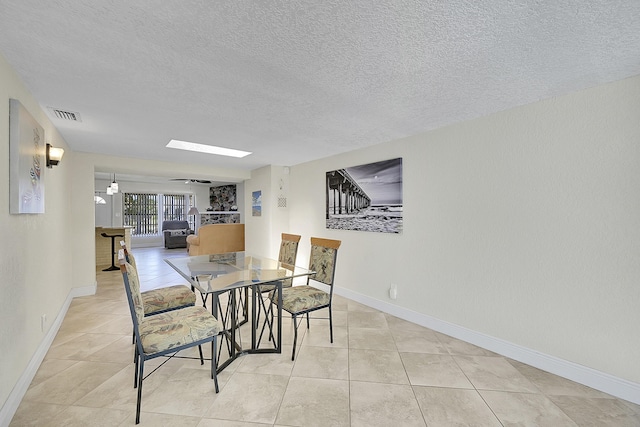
(366, 197)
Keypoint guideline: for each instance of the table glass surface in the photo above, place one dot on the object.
(221, 272)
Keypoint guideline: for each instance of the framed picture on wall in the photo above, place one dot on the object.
(365, 197)
(256, 203)
(27, 150)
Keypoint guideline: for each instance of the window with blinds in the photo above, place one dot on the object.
(145, 212)
(173, 206)
(140, 211)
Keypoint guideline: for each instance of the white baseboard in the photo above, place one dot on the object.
(598, 380)
(15, 397)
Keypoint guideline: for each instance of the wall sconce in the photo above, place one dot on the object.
(54, 155)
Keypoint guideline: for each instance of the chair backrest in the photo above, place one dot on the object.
(175, 224)
(132, 287)
(128, 256)
(289, 250)
(322, 259)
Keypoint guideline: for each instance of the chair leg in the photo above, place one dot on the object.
(307, 320)
(138, 404)
(214, 364)
(201, 358)
(330, 325)
(295, 337)
(136, 359)
(133, 337)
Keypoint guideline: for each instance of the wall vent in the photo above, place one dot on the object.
(65, 115)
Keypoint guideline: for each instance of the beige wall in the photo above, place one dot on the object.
(523, 226)
(36, 268)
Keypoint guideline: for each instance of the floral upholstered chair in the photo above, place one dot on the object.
(287, 258)
(301, 300)
(156, 301)
(166, 333)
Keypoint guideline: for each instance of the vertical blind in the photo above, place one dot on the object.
(141, 213)
(144, 211)
(173, 207)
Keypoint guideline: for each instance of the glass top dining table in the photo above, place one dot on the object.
(234, 274)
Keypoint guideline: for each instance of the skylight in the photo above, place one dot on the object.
(209, 149)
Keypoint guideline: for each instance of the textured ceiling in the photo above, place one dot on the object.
(294, 81)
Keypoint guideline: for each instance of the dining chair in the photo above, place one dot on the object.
(302, 300)
(156, 301)
(165, 334)
(287, 257)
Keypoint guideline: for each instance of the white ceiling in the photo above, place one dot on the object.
(294, 81)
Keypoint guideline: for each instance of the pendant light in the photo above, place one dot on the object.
(114, 185)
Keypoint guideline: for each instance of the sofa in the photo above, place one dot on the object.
(217, 239)
(175, 233)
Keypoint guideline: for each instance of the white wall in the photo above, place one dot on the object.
(263, 233)
(523, 226)
(36, 268)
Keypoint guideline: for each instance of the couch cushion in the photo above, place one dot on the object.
(180, 232)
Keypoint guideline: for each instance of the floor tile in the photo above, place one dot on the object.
(494, 373)
(459, 347)
(434, 370)
(554, 385)
(371, 339)
(445, 407)
(592, 412)
(78, 416)
(189, 392)
(249, 397)
(375, 404)
(526, 409)
(74, 382)
(417, 341)
(321, 362)
(376, 366)
(315, 402)
(367, 319)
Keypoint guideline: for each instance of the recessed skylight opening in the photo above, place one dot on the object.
(209, 149)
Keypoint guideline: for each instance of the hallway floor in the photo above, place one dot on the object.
(380, 371)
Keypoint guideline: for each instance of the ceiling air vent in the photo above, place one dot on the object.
(65, 115)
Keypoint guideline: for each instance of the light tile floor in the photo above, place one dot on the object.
(380, 371)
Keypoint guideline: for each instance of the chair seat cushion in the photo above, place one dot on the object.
(297, 299)
(176, 328)
(169, 298)
(268, 288)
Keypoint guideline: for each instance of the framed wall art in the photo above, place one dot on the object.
(365, 197)
(27, 150)
(256, 203)
(223, 198)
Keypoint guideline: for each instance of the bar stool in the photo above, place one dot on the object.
(113, 251)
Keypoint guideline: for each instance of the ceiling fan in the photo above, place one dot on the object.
(190, 180)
